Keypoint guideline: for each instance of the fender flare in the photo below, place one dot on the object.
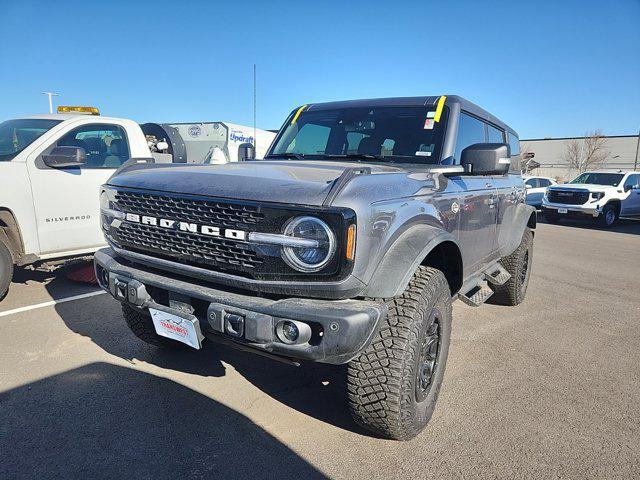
(403, 257)
(526, 216)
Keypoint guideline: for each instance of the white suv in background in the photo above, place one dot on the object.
(536, 186)
(603, 196)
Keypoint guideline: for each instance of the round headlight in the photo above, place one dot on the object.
(309, 259)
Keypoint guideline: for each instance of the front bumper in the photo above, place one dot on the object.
(586, 210)
(340, 329)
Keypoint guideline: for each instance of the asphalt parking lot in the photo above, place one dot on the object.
(547, 389)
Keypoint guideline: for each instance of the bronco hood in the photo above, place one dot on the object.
(297, 182)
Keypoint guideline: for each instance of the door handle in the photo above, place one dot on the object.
(488, 185)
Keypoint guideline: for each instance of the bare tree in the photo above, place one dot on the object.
(526, 158)
(586, 153)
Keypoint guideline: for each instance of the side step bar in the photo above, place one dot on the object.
(477, 292)
(477, 295)
(497, 275)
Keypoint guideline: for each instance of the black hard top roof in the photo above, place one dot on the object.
(428, 101)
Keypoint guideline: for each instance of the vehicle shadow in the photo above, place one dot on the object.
(56, 283)
(630, 227)
(107, 421)
(316, 390)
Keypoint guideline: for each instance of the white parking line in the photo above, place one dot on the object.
(50, 303)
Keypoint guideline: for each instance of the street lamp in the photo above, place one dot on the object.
(635, 163)
(51, 95)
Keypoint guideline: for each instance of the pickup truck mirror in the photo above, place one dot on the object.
(527, 186)
(486, 159)
(65, 157)
(246, 151)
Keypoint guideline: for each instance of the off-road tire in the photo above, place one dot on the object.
(382, 382)
(518, 264)
(142, 326)
(6, 269)
(609, 216)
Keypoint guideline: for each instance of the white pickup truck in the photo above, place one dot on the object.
(51, 168)
(601, 196)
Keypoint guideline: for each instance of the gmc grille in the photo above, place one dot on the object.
(568, 197)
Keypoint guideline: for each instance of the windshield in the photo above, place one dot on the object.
(16, 135)
(599, 178)
(383, 134)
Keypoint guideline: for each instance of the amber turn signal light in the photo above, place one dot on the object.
(351, 242)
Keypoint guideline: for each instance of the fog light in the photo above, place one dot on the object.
(292, 332)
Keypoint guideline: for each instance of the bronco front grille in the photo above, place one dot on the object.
(184, 246)
(188, 247)
(191, 210)
(568, 197)
(212, 233)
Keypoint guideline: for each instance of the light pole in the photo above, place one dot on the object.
(51, 95)
(635, 162)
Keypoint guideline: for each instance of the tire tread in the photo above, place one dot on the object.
(379, 386)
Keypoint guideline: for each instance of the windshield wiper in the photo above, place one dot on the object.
(356, 156)
(297, 156)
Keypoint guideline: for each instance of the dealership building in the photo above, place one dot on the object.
(549, 155)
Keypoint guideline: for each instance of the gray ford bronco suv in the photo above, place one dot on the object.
(345, 245)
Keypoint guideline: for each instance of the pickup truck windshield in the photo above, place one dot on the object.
(599, 178)
(16, 135)
(378, 134)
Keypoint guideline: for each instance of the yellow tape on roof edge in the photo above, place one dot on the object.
(295, 117)
(439, 108)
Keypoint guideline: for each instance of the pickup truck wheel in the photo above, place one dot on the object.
(394, 383)
(609, 216)
(6, 269)
(518, 264)
(142, 326)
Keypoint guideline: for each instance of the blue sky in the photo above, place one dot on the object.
(549, 69)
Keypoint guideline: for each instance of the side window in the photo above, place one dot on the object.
(470, 131)
(310, 138)
(514, 144)
(631, 181)
(544, 183)
(495, 135)
(532, 182)
(106, 145)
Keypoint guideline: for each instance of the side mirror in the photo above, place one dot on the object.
(65, 157)
(486, 159)
(246, 151)
(527, 186)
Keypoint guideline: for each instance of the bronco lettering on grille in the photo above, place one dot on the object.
(208, 230)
